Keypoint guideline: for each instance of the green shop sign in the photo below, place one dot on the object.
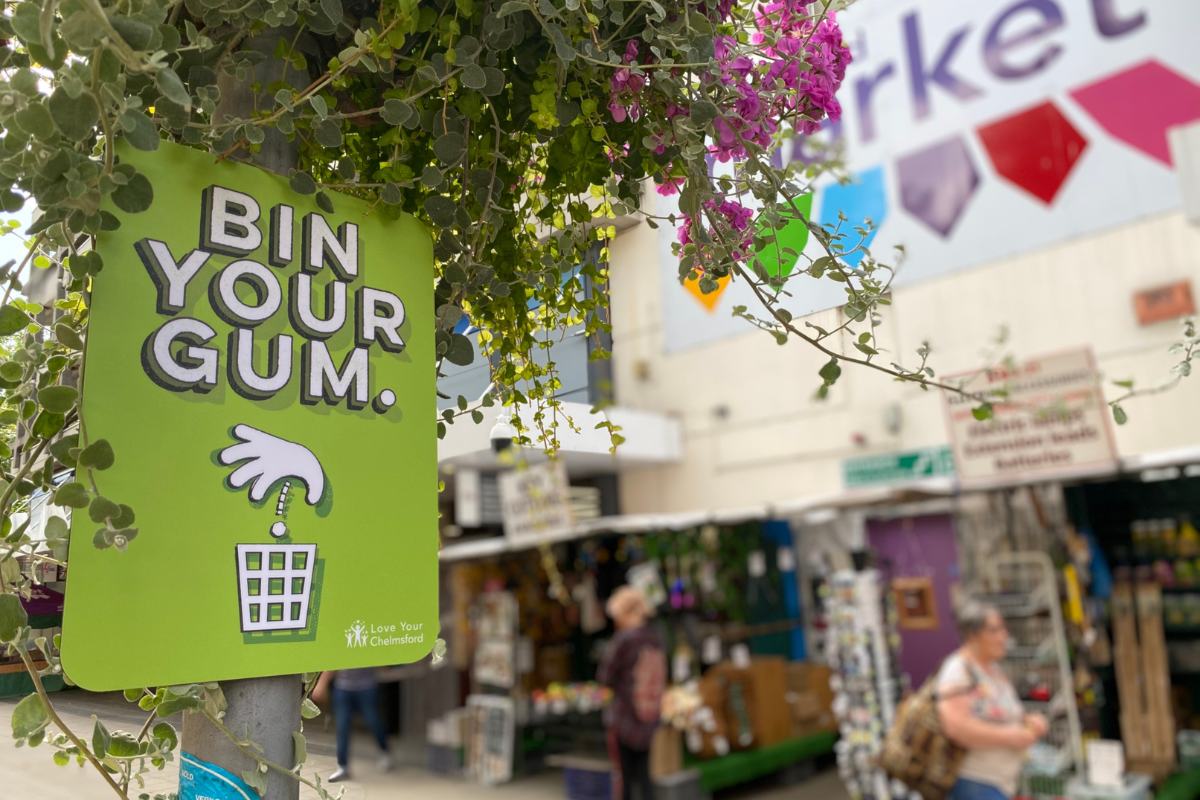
(929, 462)
(264, 371)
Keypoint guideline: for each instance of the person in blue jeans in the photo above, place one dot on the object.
(354, 691)
(980, 711)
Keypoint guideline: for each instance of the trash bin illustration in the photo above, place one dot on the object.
(275, 585)
(275, 581)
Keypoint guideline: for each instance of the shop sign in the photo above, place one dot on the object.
(263, 370)
(914, 465)
(1050, 420)
(536, 501)
(1164, 303)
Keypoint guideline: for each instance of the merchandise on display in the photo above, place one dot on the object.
(862, 649)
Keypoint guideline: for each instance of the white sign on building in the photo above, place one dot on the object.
(1050, 420)
(536, 501)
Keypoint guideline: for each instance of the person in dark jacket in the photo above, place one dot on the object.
(634, 666)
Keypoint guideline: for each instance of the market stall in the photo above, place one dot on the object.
(529, 630)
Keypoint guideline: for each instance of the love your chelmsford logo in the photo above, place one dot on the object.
(360, 634)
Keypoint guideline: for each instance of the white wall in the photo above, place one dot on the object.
(777, 442)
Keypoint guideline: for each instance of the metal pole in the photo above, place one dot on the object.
(268, 708)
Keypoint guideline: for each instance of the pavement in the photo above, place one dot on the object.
(30, 772)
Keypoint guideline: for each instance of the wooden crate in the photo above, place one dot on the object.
(1156, 673)
(1127, 660)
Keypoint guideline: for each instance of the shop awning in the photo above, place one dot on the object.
(650, 439)
(645, 523)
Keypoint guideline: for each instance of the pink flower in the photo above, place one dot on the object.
(729, 224)
(670, 186)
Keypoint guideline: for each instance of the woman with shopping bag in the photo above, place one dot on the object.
(963, 736)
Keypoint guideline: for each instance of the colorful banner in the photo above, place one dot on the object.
(975, 131)
(263, 370)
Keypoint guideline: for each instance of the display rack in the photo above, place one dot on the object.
(1024, 588)
(861, 648)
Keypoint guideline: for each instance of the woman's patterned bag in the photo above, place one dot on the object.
(916, 752)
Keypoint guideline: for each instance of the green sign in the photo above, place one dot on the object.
(264, 371)
(930, 462)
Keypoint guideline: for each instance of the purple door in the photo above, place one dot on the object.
(921, 547)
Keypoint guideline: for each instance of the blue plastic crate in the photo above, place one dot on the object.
(588, 784)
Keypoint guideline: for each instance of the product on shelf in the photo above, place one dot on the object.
(862, 645)
(562, 698)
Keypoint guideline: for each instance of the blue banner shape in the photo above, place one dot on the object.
(199, 780)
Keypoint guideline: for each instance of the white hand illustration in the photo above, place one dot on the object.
(269, 459)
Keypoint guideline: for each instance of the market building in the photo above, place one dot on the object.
(1037, 162)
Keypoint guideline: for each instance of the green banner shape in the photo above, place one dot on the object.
(264, 372)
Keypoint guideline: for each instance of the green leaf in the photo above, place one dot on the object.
(135, 196)
(11, 371)
(165, 734)
(133, 695)
(123, 745)
(173, 704)
(328, 133)
(319, 105)
(830, 372)
(71, 495)
(448, 315)
(126, 518)
(102, 508)
(12, 319)
(439, 208)
(983, 412)
(97, 455)
(139, 130)
(431, 176)
(29, 717)
(66, 335)
(396, 112)
(460, 353)
(1119, 415)
(256, 780)
(26, 21)
(12, 617)
(309, 709)
(449, 147)
(495, 81)
(324, 202)
(513, 7)
(75, 117)
(57, 529)
(62, 758)
(871, 351)
(390, 194)
(35, 119)
(47, 424)
(703, 112)
(172, 87)
(137, 34)
(61, 449)
(333, 10)
(477, 416)
(302, 183)
(473, 77)
(58, 399)
(301, 747)
(101, 739)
